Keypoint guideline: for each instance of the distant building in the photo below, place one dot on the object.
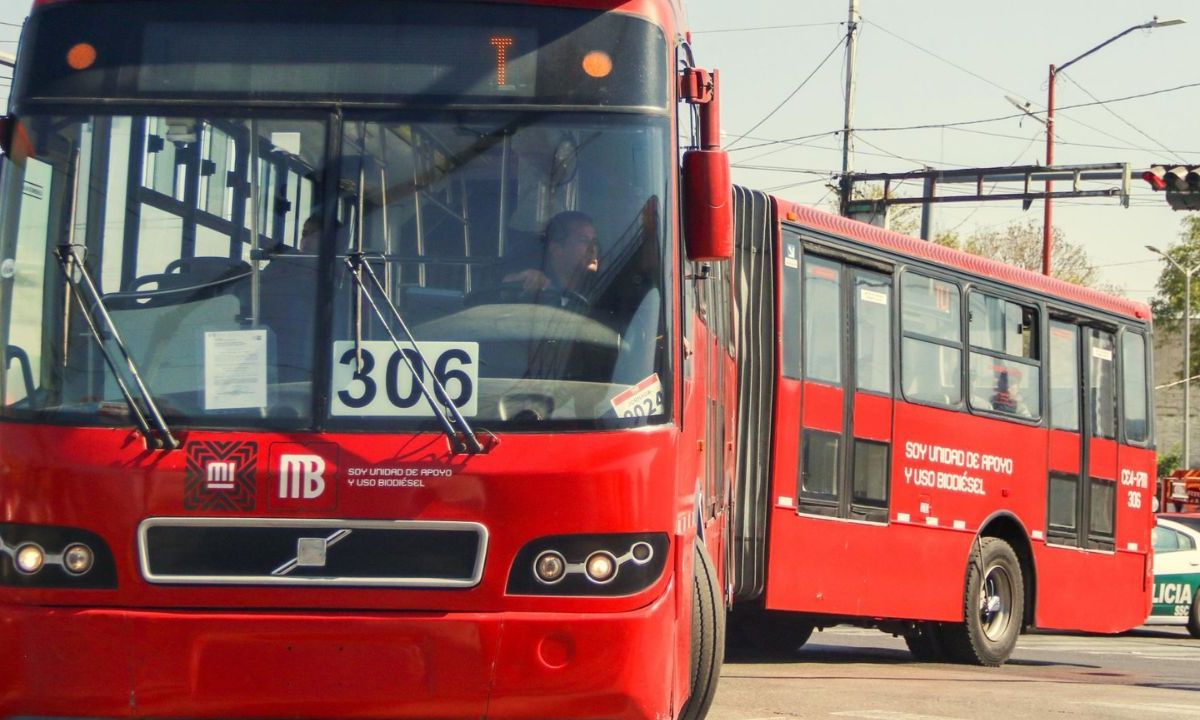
(1168, 401)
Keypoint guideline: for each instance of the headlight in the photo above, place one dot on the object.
(54, 556)
(78, 559)
(30, 558)
(600, 567)
(550, 567)
(611, 565)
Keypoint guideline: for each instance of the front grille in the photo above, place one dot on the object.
(261, 551)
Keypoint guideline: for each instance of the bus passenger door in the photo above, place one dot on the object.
(1083, 446)
(847, 393)
(845, 436)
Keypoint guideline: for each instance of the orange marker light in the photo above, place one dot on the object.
(597, 64)
(81, 56)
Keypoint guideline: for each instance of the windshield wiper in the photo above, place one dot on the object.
(462, 440)
(160, 436)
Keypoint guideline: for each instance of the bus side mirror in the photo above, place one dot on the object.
(708, 205)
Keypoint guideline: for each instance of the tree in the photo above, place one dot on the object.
(1020, 244)
(1168, 304)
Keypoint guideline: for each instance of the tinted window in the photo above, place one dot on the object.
(822, 320)
(1103, 387)
(1005, 386)
(870, 473)
(819, 475)
(1104, 493)
(932, 372)
(931, 350)
(1064, 376)
(873, 332)
(1167, 540)
(930, 308)
(1133, 371)
(1063, 503)
(1002, 326)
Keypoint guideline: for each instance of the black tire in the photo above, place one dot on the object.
(777, 633)
(1194, 615)
(924, 641)
(708, 636)
(993, 607)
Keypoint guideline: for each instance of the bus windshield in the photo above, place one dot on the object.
(267, 269)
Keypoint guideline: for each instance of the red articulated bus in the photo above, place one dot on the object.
(354, 367)
(933, 443)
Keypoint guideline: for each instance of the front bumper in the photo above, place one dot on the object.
(110, 663)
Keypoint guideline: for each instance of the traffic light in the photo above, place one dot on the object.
(1180, 182)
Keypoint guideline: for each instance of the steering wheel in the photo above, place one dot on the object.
(516, 292)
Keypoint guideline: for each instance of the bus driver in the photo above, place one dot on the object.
(570, 260)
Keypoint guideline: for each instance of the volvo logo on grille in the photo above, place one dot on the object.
(311, 552)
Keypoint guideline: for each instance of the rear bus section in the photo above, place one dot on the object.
(345, 366)
(955, 449)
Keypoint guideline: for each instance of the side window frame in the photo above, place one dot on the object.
(1147, 389)
(960, 346)
(1036, 361)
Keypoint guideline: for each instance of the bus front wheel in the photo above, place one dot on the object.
(993, 607)
(708, 636)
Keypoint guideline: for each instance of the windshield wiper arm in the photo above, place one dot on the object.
(464, 440)
(158, 437)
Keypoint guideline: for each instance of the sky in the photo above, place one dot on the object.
(936, 62)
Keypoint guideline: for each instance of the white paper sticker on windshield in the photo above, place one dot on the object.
(235, 369)
(873, 296)
(645, 398)
(383, 386)
(1102, 354)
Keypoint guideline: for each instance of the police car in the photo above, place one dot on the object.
(1177, 572)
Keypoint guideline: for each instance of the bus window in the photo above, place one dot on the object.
(1133, 385)
(1064, 376)
(822, 319)
(931, 350)
(1103, 390)
(1005, 374)
(873, 332)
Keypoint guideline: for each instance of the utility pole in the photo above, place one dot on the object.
(1048, 213)
(846, 185)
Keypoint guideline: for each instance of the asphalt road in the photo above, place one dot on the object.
(846, 672)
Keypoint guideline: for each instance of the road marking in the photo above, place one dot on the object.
(1165, 708)
(889, 715)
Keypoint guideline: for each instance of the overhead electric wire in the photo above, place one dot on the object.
(998, 118)
(791, 94)
(788, 186)
(785, 141)
(934, 55)
(1114, 113)
(764, 27)
(1064, 142)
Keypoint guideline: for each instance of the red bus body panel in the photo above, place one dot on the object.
(944, 489)
(347, 652)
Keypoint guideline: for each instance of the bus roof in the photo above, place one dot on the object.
(950, 257)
